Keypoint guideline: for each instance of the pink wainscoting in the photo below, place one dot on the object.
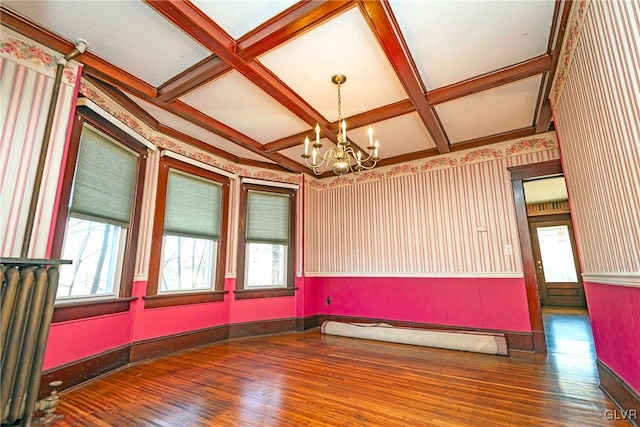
(615, 320)
(158, 322)
(487, 303)
(75, 340)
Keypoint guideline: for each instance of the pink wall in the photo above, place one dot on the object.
(617, 337)
(74, 340)
(487, 303)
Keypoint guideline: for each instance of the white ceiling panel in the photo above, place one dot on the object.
(195, 131)
(452, 41)
(505, 108)
(238, 18)
(237, 102)
(344, 44)
(128, 34)
(399, 135)
(545, 190)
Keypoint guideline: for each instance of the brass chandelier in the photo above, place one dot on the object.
(342, 157)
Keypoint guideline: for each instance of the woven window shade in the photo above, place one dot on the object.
(105, 179)
(267, 217)
(193, 206)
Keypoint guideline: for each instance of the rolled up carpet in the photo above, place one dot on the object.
(479, 343)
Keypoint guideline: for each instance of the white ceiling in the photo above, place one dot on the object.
(237, 102)
(497, 34)
(188, 128)
(114, 30)
(444, 42)
(545, 190)
(474, 116)
(342, 45)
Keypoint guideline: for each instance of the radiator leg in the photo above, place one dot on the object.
(48, 405)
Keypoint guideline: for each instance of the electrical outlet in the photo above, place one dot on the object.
(328, 300)
(508, 250)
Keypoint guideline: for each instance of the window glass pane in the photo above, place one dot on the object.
(105, 178)
(94, 249)
(556, 253)
(266, 265)
(193, 206)
(187, 263)
(267, 216)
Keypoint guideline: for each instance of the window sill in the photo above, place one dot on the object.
(264, 293)
(84, 309)
(159, 301)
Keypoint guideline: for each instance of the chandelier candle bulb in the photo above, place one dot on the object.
(317, 134)
(306, 146)
(370, 132)
(313, 159)
(359, 157)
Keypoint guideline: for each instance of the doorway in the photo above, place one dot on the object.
(556, 259)
(540, 174)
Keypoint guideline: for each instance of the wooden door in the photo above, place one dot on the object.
(556, 259)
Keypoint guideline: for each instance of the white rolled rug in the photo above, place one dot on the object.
(479, 343)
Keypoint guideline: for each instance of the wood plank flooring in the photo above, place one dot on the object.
(310, 379)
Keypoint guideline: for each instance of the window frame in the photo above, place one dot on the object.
(79, 308)
(289, 290)
(155, 299)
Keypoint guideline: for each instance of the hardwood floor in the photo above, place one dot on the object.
(309, 379)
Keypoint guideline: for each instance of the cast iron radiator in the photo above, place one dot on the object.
(28, 298)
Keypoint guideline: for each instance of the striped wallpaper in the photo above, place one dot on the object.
(24, 103)
(598, 119)
(428, 223)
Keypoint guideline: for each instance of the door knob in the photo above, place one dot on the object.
(539, 265)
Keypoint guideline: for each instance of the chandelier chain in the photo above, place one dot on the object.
(339, 105)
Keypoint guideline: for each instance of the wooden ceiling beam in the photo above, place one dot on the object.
(203, 72)
(296, 20)
(93, 65)
(292, 22)
(202, 120)
(380, 18)
(493, 139)
(194, 116)
(510, 74)
(196, 143)
(192, 21)
(543, 116)
(359, 120)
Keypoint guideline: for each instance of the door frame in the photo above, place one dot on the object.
(520, 174)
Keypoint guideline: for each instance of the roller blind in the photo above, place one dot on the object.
(267, 217)
(193, 206)
(105, 178)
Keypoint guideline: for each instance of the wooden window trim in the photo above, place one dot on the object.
(289, 290)
(153, 298)
(82, 309)
(170, 300)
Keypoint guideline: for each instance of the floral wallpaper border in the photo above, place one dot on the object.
(574, 27)
(519, 147)
(17, 48)
(164, 142)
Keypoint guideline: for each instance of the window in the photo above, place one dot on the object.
(189, 232)
(98, 228)
(266, 254)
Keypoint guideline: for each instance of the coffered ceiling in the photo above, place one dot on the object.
(248, 80)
